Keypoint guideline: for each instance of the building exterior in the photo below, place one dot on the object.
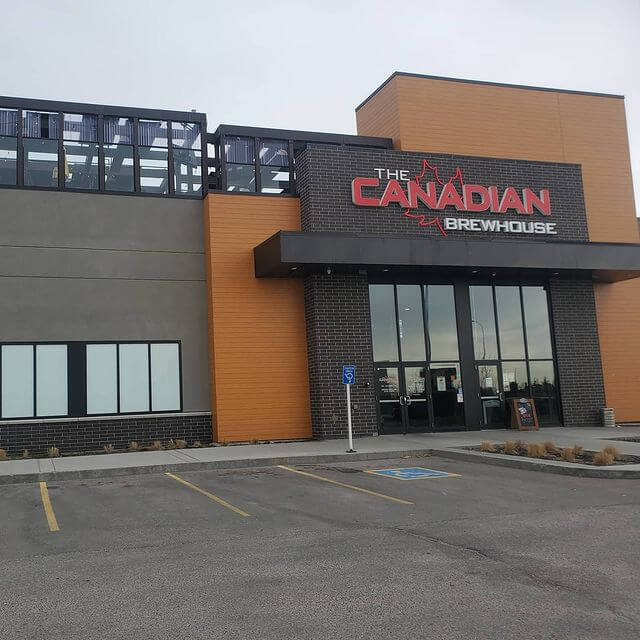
(473, 244)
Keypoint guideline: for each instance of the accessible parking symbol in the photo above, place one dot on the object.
(412, 473)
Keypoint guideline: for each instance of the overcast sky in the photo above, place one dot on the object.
(305, 64)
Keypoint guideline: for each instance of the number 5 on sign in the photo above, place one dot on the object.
(349, 378)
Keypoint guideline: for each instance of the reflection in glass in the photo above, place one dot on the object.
(411, 322)
(238, 149)
(118, 130)
(536, 315)
(416, 409)
(80, 165)
(485, 344)
(40, 124)
(274, 179)
(383, 322)
(153, 133)
(274, 152)
(187, 171)
(441, 318)
(102, 379)
(154, 170)
(118, 167)
(514, 379)
(165, 377)
(542, 378)
(510, 322)
(40, 162)
(51, 380)
(80, 128)
(389, 394)
(186, 135)
(8, 122)
(446, 395)
(134, 377)
(241, 177)
(8, 160)
(17, 381)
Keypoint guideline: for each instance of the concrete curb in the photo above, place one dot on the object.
(213, 464)
(546, 466)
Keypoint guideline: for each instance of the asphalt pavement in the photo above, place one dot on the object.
(322, 551)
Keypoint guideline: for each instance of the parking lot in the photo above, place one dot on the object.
(323, 551)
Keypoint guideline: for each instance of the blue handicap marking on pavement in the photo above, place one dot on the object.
(348, 374)
(413, 473)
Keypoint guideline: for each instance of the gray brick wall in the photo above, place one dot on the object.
(338, 333)
(577, 351)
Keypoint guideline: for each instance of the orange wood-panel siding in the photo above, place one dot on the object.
(441, 116)
(260, 387)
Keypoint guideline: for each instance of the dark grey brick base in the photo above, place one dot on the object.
(85, 436)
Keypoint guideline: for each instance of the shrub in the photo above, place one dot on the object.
(134, 446)
(53, 452)
(550, 447)
(25, 453)
(511, 448)
(577, 450)
(521, 447)
(568, 455)
(535, 450)
(613, 451)
(255, 441)
(108, 448)
(603, 458)
(181, 444)
(197, 444)
(171, 444)
(487, 446)
(156, 445)
(223, 443)
(3, 454)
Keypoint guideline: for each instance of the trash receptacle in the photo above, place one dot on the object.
(608, 417)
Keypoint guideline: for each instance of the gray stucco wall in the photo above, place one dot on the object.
(77, 266)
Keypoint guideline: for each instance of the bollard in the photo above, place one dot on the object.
(608, 417)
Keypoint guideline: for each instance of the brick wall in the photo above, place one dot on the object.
(86, 436)
(338, 333)
(577, 351)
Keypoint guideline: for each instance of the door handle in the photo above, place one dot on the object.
(401, 400)
(501, 396)
(407, 400)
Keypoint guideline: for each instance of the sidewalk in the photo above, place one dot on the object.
(450, 445)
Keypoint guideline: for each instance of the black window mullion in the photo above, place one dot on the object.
(101, 167)
(136, 169)
(256, 162)
(61, 163)
(172, 189)
(496, 322)
(524, 337)
(395, 309)
(76, 379)
(222, 155)
(292, 182)
(20, 152)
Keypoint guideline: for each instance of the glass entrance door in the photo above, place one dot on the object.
(402, 393)
(491, 396)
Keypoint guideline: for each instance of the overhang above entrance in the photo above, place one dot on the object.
(294, 254)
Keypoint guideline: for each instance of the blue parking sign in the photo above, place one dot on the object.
(348, 374)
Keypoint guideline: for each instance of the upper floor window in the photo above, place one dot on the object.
(153, 141)
(274, 166)
(187, 157)
(80, 149)
(240, 158)
(8, 146)
(40, 132)
(118, 154)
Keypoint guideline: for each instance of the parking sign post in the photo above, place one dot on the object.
(348, 378)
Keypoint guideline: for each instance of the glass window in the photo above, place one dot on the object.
(441, 319)
(102, 377)
(239, 150)
(165, 377)
(118, 167)
(411, 322)
(187, 171)
(40, 124)
(154, 170)
(134, 377)
(543, 379)
(186, 135)
(510, 322)
(383, 322)
(485, 344)
(17, 381)
(80, 128)
(40, 163)
(8, 122)
(80, 165)
(241, 177)
(8, 159)
(51, 380)
(274, 153)
(118, 130)
(514, 379)
(274, 179)
(536, 317)
(153, 133)
(446, 385)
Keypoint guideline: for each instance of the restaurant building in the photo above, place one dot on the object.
(474, 243)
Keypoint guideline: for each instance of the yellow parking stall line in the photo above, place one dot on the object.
(48, 509)
(209, 495)
(344, 484)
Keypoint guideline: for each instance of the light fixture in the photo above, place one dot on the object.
(293, 268)
(385, 270)
(474, 271)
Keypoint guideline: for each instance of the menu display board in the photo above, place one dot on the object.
(523, 414)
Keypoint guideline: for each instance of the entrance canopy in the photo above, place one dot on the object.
(294, 253)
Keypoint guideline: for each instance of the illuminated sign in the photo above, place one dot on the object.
(437, 196)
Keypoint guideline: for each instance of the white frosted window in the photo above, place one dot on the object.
(102, 379)
(165, 377)
(17, 381)
(134, 377)
(51, 380)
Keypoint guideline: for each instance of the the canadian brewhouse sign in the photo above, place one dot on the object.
(415, 194)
